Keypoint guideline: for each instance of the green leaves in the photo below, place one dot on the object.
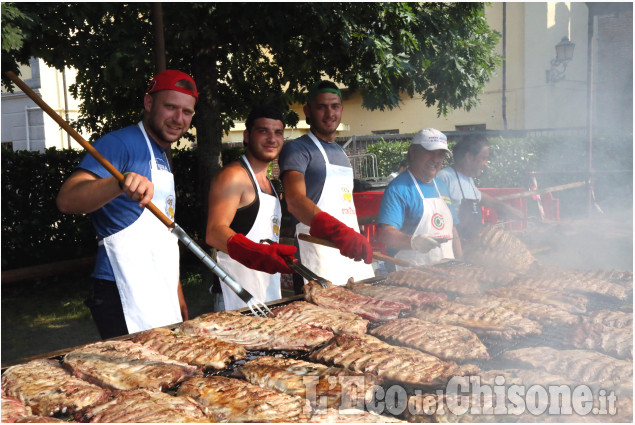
(389, 155)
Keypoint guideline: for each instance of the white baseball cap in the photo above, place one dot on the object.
(431, 139)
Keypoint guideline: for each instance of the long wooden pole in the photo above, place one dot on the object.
(540, 191)
(376, 255)
(79, 139)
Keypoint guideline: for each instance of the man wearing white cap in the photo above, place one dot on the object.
(416, 217)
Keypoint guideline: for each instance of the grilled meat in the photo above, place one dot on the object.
(135, 406)
(616, 319)
(47, 388)
(330, 319)
(443, 341)
(343, 416)
(35, 419)
(427, 280)
(459, 408)
(483, 275)
(125, 365)
(570, 283)
(582, 366)
(365, 353)
(191, 349)
(13, 409)
(498, 249)
(484, 321)
(311, 381)
(234, 400)
(524, 377)
(410, 297)
(573, 303)
(616, 342)
(256, 333)
(340, 298)
(541, 313)
(621, 277)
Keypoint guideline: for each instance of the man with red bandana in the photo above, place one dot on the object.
(318, 188)
(135, 283)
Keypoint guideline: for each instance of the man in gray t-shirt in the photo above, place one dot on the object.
(304, 157)
(318, 187)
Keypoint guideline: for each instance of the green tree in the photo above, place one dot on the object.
(244, 53)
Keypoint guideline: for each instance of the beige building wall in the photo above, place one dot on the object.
(533, 30)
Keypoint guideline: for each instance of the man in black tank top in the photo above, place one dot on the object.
(244, 208)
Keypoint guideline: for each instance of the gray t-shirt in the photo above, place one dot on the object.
(303, 156)
(470, 191)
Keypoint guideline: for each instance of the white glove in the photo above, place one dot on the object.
(423, 243)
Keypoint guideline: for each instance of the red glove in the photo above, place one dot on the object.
(258, 256)
(350, 243)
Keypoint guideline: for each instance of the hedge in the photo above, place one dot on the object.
(35, 232)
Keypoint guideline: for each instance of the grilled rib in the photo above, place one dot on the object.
(573, 303)
(311, 381)
(484, 321)
(571, 283)
(410, 297)
(496, 248)
(234, 400)
(432, 281)
(582, 366)
(144, 406)
(616, 319)
(526, 377)
(621, 277)
(330, 319)
(483, 275)
(616, 342)
(343, 416)
(256, 332)
(13, 409)
(541, 313)
(47, 388)
(191, 349)
(443, 341)
(340, 298)
(125, 365)
(365, 353)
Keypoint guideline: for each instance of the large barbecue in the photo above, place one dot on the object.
(406, 346)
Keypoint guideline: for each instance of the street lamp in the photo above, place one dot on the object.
(564, 53)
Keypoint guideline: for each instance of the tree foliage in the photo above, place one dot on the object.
(241, 54)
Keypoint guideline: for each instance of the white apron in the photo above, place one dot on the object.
(145, 260)
(264, 286)
(336, 200)
(435, 221)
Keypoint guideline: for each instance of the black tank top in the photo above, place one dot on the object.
(246, 216)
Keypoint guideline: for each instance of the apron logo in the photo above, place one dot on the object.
(275, 226)
(169, 207)
(438, 222)
(346, 194)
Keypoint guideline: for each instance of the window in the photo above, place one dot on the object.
(470, 127)
(380, 132)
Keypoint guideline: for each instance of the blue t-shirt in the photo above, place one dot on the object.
(460, 188)
(127, 151)
(401, 204)
(303, 156)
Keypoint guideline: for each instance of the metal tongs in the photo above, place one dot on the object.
(257, 307)
(295, 265)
